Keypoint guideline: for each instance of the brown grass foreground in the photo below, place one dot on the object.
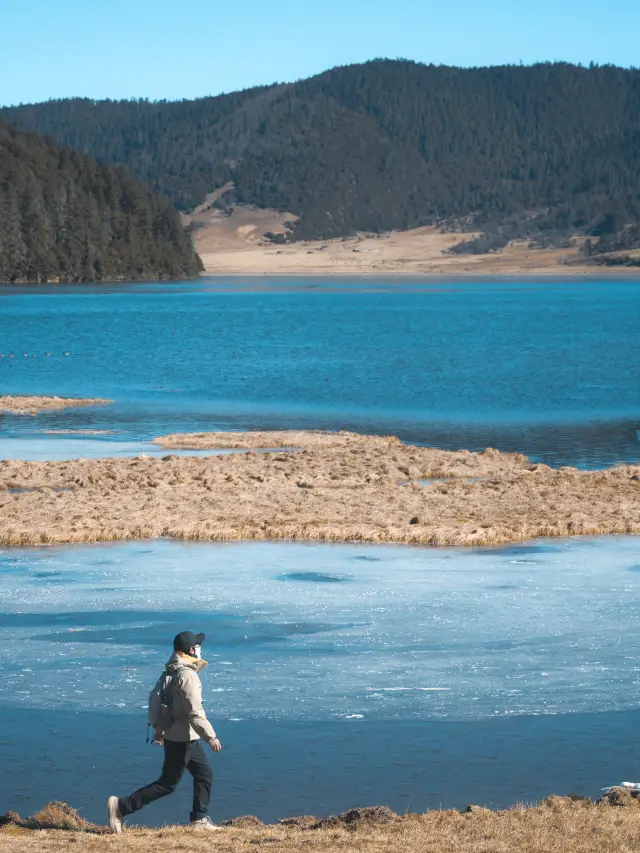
(558, 825)
(341, 487)
(22, 405)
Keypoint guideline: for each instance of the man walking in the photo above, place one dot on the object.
(183, 749)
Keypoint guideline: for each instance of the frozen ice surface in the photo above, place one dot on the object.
(315, 632)
(48, 448)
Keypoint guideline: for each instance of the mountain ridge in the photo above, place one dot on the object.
(391, 144)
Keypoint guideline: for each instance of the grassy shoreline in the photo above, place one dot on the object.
(556, 825)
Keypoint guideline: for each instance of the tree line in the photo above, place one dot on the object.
(65, 217)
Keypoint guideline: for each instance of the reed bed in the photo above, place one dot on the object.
(25, 405)
(346, 489)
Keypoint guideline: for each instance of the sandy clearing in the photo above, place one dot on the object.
(216, 232)
(230, 246)
(336, 489)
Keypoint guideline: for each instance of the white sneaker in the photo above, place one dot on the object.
(115, 816)
(204, 823)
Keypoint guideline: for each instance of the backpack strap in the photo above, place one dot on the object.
(172, 676)
(176, 671)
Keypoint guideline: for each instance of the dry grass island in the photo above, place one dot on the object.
(340, 487)
(26, 405)
(557, 825)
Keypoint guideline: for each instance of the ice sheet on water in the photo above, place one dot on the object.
(316, 631)
(48, 448)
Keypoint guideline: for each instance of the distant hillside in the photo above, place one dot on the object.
(64, 217)
(548, 149)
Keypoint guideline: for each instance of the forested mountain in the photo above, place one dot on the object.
(64, 217)
(390, 144)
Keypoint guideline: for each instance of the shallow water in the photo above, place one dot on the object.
(275, 769)
(548, 368)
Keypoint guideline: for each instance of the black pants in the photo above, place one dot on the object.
(177, 757)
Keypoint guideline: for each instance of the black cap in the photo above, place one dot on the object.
(186, 640)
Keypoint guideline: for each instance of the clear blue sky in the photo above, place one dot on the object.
(178, 49)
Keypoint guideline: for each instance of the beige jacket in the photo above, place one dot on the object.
(189, 720)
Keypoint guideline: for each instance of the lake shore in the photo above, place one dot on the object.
(340, 487)
(557, 825)
(31, 405)
(236, 246)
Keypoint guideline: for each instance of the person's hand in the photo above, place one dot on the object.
(215, 745)
(158, 737)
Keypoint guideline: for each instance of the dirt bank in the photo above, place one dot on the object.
(558, 825)
(32, 405)
(334, 488)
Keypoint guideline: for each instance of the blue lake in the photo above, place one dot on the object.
(339, 675)
(550, 368)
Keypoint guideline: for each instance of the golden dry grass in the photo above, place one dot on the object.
(25, 405)
(559, 825)
(235, 245)
(341, 487)
(274, 439)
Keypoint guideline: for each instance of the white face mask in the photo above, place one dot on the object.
(197, 653)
